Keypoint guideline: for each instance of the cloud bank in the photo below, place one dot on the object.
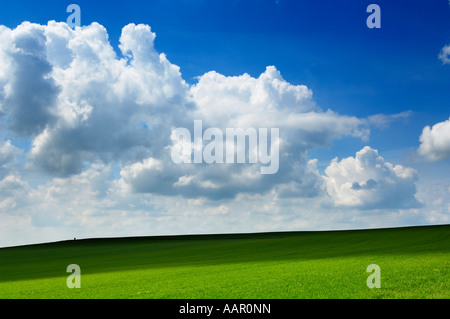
(98, 123)
(80, 102)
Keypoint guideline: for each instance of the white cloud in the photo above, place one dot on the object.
(80, 103)
(383, 120)
(435, 141)
(28, 91)
(444, 55)
(367, 181)
(8, 157)
(11, 183)
(242, 102)
(99, 124)
(269, 101)
(68, 90)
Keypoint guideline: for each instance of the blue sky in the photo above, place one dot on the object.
(325, 45)
(393, 72)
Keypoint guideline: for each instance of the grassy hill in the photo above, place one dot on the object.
(414, 262)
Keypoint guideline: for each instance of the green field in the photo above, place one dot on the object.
(414, 262)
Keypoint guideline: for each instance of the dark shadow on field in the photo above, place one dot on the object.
(116, 254)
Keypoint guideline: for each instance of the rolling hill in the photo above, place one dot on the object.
(414, 263)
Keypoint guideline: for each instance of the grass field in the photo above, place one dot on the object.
(414, 262)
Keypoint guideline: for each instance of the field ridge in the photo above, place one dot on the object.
(272, 259)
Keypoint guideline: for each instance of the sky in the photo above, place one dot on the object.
(87, 115)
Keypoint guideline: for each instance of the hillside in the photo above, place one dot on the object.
(414, 262)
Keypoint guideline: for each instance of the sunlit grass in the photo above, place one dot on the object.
(414, 262)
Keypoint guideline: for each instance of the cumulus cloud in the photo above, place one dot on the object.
(367, 181)
(100, 119)
(435, 141)
(80, 102)
(99, 123)
(29, 92)
(267, 101)
(88, 104)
